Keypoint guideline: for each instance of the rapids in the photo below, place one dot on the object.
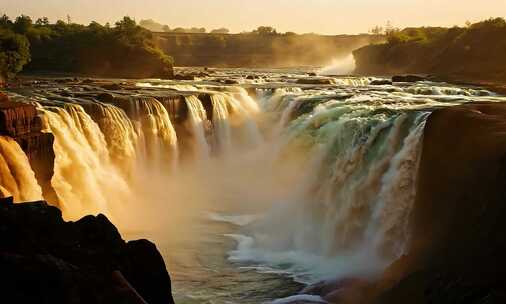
(249, 190)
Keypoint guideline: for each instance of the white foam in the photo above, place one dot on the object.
(300, 299)
(302, 267)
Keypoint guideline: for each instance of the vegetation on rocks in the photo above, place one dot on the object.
(122, 50)
(474, 52)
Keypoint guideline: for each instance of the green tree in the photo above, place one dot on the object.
(265, 30)
(42, 21)
(5, 22)
(220, 31)
(14, 53)
(22, 24)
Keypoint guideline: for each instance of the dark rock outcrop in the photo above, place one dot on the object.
(47, 260)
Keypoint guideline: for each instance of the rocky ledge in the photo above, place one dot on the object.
(44, 259)
(20, 121)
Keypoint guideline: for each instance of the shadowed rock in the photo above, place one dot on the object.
(47, 260)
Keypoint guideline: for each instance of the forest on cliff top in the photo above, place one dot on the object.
(122, 50)
(474, 52)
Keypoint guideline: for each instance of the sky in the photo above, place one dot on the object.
(301, 16)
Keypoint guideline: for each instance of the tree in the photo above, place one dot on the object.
(265, 30)
(220, 31)
(22, 24)
(42, 21)
(5, 22)
(126, 24)
(377, 30)
(14, 53)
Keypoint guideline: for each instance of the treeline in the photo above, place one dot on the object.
(474, 52)
(123, 50)
(154, 26)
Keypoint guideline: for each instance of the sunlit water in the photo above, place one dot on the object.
(296, 184)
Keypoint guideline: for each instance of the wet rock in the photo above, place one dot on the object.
(230, 81)
(184, 77)
(18, 118)
(316, 81)
(105, 97)
(111, 86)
(47, 260)
(87, 81)
(21, 122)
(381, 82)
(407, 78)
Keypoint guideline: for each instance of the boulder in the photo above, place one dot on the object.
(316, 81)
(184, 77)
(111, 86)
(47, 260)
(407, 78)
(381, 82)
(230, 81)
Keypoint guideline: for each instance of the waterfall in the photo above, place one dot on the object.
(16, 176)
(85, 179)
(121, 137)
(159, 134)
(222, 129)
(356, 187)
(197, 118)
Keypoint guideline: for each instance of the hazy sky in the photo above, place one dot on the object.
(302, 16)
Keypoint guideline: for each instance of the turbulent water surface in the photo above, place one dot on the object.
(250, 190)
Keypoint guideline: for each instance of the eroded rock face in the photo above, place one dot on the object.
(21, 122)
(46, 260)
(18, 119)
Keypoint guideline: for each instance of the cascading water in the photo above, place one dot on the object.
(85, 179)
(17, 178)
(159, 133)
(121, 137)
(221, 123)
(197, 118)
(310, 182)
